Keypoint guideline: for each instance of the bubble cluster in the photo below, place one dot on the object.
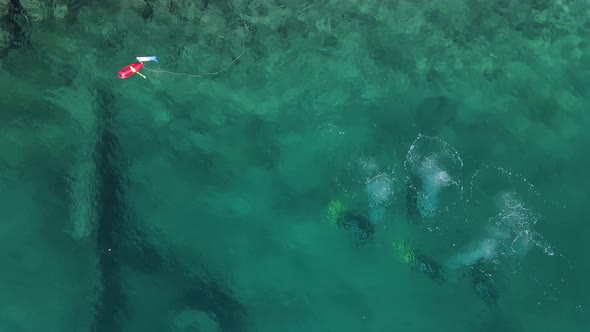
(433, 167)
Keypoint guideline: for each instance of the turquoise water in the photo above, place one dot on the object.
(362, 166)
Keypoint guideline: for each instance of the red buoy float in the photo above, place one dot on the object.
(130, 70)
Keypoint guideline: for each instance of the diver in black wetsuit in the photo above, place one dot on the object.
(362, 232)
(481, 279)
(358, 226)
(483, 283)
(419, 261)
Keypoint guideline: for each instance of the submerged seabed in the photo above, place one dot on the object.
(363, 166)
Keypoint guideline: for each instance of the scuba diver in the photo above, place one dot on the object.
(481, 279)
(483, 282)
(418, 261)
(362, 231)
(357, 225)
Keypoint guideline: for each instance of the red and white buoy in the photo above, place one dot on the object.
(130, 70)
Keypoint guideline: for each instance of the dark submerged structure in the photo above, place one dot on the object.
(121, 245)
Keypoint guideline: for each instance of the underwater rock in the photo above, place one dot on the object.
(14, 28)
(4, 40)
(187, 320)
(4, 7)
(224, 310)
(35, 10)
(134, 4)
(60, 11)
